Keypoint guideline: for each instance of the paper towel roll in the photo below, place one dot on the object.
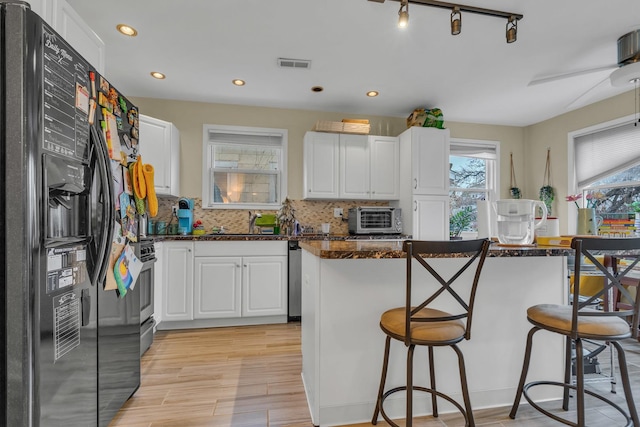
(486, 219)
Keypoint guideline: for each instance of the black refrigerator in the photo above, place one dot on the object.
(70, 343)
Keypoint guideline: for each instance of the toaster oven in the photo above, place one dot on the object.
(375, 220)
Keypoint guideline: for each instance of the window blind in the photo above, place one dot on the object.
(606, 152)
(478, 150)
(245, 138)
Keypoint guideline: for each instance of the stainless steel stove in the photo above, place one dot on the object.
(145, 251)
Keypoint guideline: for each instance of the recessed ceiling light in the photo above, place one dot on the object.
(372, 93)
(157, 75)
(317, 89)
(238, 82)
(127, 30)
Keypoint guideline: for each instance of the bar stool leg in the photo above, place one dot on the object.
(409, 419)
(624, 375)
(525, 370)
(567, 374)
(383, 379)
(432, 377)
(580, 382)
(465, 389)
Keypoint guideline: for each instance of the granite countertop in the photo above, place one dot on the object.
(393, 249)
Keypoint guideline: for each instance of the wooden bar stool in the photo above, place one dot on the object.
(578, 322)
(427, 326)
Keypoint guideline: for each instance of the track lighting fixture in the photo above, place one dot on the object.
(403, 14)
(512, 29)
(456, 15)
(456, 21)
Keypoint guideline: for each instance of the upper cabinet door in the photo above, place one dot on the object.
(354, 167)
(321, 154)
(385, 167)
(160, 147)
(78, 34)
(430, 160)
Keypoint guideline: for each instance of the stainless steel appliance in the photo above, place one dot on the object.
(145, 250)
(295, 281)
(69, 349)
(375, 220)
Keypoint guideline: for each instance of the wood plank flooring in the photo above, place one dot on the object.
(250, 377)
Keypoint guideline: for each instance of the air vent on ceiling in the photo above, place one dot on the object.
(294, 63)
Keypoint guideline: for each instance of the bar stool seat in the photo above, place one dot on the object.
(422, 325)
(392, 323)
(559, 318)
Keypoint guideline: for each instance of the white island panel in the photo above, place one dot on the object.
(343, 345)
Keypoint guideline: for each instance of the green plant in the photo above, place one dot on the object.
(635, 206)
(460, 220)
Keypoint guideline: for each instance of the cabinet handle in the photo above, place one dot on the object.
(238, 265)
(415, 185)
(245, 266)
(415, 205)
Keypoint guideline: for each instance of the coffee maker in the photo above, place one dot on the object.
(185, 216)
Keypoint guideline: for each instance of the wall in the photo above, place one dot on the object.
(189, 117)
(553, 133)
(528, 144)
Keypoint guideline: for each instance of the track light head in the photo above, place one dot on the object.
(456, 21)
(403, 14)
(512, 29)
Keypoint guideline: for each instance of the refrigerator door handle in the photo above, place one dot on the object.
(106, 179)
(85, 301)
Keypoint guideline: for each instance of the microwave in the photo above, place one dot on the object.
(375, 220)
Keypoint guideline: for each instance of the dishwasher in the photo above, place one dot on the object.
(295, 281)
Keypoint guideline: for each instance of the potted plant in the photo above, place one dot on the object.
(459, 221)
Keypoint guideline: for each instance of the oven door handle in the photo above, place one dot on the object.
(106, 180)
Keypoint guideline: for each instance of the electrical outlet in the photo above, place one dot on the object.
(174, 210)
(337, 212)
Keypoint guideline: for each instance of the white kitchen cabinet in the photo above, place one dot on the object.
(217, 287)
(224, 283)
(429, 159)
(354, 171)
(158, 282)
(177, 286)
(430, 217)
(159, 145)
(424, 183)
(263, 293)
(66, 21)
(321, 157)
(352, 167)
(385, 167)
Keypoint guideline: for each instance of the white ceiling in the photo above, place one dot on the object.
(355, 46)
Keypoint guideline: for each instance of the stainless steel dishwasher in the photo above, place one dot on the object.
(295, 281)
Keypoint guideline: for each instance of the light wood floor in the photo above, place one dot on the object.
(250, 377)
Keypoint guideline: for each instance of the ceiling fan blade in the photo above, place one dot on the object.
(578, 102)
(556, 77)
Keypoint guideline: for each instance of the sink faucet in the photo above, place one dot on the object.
(252, 221)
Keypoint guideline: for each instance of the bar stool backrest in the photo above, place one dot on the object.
(473, 251)
(614, 259)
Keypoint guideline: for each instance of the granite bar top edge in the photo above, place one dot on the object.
(390, 250)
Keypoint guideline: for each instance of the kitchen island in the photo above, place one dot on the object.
(347, 285)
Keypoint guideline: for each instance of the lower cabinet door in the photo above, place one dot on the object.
(431, 217)
(264, 286)
(217, 287)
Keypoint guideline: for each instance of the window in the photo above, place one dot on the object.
(607, 161)
(473, 175)
(243, 167)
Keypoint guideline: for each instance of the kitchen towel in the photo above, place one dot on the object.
(485, 219)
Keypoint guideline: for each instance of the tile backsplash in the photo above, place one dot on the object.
(309, 213)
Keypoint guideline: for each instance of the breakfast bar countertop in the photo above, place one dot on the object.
(380, 249)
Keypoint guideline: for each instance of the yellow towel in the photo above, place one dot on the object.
(141, 180)
(152, 200)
